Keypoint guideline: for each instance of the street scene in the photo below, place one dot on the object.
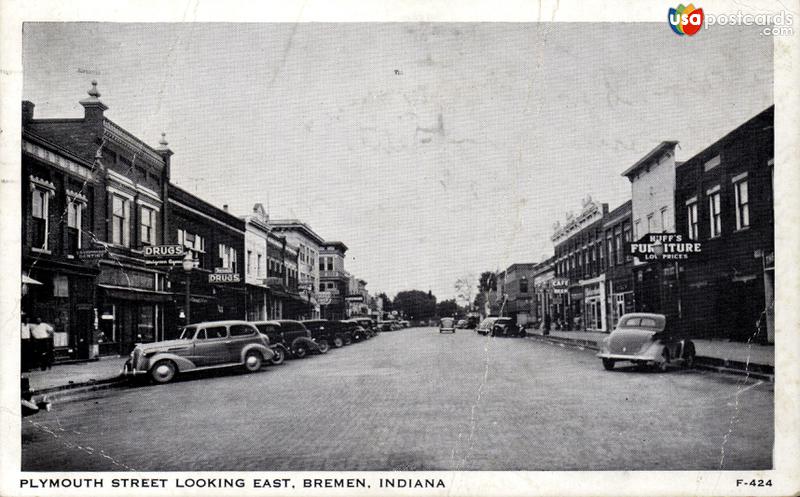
(436, 401)
(395, 247)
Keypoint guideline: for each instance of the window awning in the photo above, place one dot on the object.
(140, 294)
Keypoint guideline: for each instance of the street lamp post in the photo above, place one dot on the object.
(188, 264)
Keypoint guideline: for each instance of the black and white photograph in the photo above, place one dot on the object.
(325, 256)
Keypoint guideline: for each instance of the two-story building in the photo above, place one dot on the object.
(333, 279)
(215, 239)
(544, 301)
(124, 211)
(618, 264)
(518, 292)
(308, 244)
(725, 201)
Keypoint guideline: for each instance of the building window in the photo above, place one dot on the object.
(258, 265)
(120, 221)
(195, 244)
(626, 236)
(74, 211)
(227, 258)
(650, 223)
(618, 243)
(249, 262)
(40, 208)
(610, 243)
(691, 218)
(742, 205)
(523, 285)
(664, 223)
(637, 229)
(712, 163)
(148, 226)
(714, 212)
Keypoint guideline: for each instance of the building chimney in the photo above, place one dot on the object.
(27, 112)
(94, 108)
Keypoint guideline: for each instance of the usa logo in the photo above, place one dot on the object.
(685, 20)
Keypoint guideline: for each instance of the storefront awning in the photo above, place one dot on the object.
(140, 294)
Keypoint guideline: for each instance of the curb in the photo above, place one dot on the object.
(753, 370)
(76, 389)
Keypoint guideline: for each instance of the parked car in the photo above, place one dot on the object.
(496, 326)
(288, 338)
(327, 333)
(405, 324)
(386, 326)
(367, 324)
(212, 344)
(645, 339)
(472, 322)
(30, 404)
(447, 325)
(355, 330)
(461, 324)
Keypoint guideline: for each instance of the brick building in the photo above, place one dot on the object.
(618, 264)
(724, 199)
(125, 190)
(333, 279)
(215, 239)
(579, 263)
(517, 290)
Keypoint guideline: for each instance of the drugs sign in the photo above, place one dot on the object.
(163, 251)
(224, 278)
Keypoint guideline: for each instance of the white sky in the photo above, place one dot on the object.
(312, 120)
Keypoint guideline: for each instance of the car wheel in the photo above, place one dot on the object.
(323, 346)
(664, 362)
(338, 342)
(348, 340)
(608, 364)
(688, 356)
(300, 351)
(253, 361)
(163, 371)
(279, 356)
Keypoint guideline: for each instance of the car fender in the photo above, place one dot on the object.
(309, 343)
(182, 363)
(280, 346)
(687, 344)
(266, 353)
(653, 350)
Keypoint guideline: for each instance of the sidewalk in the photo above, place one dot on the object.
(76, 374)
(721, 353)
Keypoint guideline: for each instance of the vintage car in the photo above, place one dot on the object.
(447, 325)
(461, 324)
(328, 333)
(355, 330)
(213, 344)
(496, 326)
(645, 339)
(288, 338)
(367, 324)
(472, 322)
(386, 326)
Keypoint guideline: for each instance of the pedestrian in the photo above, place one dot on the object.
(547, 320)
(25, 344)
(42, 335)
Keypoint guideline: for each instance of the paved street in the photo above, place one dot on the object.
(417, 400)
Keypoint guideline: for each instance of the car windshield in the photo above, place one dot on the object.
(188, 332)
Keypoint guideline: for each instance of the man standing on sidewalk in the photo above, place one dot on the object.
(25, 344)
(42, 334)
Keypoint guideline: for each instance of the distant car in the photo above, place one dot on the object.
(355, 329)
(405, 324)
(287, 338)
(447, 325)
(386, 326)
(461, 324)
(472, 322)
(213, 344)
(496, 326)
(645, 339)
(367, 324)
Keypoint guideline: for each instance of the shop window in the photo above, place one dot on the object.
(60, 286)
(146, 324)
(40, 208)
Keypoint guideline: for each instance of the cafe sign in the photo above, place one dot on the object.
(663, 246)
